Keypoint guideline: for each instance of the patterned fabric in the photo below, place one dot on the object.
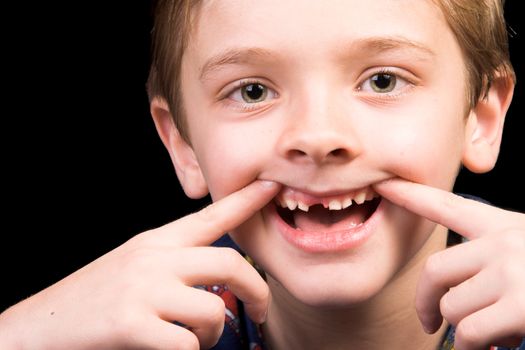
(448, 342)
(240, 333)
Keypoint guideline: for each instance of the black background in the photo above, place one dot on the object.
(82, 167)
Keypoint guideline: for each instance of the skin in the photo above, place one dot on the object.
(472, 284)
(321, 129)
(321, 120)
(127, 298)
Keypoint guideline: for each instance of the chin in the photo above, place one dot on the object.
(334, 296)
(345, 283)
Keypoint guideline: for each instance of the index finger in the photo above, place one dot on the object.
(209, 224)
(466, 217)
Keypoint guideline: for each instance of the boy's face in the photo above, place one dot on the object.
(324, 116)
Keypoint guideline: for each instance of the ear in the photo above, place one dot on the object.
(484, 126)
(181, 153)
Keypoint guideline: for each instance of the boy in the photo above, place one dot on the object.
(329, 134)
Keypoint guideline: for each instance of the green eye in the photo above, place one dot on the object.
(253, 93)
(383, 83)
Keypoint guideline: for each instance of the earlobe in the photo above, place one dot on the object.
(484, 127)
(181, 153)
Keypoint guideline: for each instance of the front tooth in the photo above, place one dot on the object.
(360, 197)
(303, 206)
(347, 202)
(335, 205)
(370, 194)
(291, 204)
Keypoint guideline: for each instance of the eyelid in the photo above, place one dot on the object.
(408, 77)
(230, 88)
(243, 106)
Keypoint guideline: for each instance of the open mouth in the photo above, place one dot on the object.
(329, 214)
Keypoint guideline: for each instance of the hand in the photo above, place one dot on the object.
(129, 297)
(478, 286)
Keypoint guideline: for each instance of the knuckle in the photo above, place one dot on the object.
(188, 342)
(515, 303)
(433, 268)
(217, 336)
(447, 310)
(260, 296)
(511, 271)
(449, 208)
(124, 324)
(264, 293)
(231, 259)
(516, 218)
(137, 265)
(216, 311)
(210, 336)
(467, 334)
(137, 259)
(207, 215)
(451, 201)
(140, 240)
(513, 241)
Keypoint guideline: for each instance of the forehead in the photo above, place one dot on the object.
(310, 28)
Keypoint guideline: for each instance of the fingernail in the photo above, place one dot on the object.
(427, 330)
(387, 181)
(262, 318)
(268, 183)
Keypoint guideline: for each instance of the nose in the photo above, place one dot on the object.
(319, 133)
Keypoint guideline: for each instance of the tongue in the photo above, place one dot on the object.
(319, 219)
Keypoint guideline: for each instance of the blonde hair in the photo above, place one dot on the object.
(478, 25)
(480, 29)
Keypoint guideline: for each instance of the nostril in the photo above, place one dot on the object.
(296, 153)
(338, 153)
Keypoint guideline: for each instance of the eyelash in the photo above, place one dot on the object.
(247, 107)
(388, 96)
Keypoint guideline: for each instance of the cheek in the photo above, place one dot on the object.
(232, 156)
(427, 150)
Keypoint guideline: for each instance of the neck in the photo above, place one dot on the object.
(386, 321)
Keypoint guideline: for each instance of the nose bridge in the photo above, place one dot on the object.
(317, 128)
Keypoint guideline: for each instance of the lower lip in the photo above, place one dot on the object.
(321, 242)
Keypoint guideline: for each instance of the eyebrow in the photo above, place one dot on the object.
(372, 45)
(380, 44)
(235, 56)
